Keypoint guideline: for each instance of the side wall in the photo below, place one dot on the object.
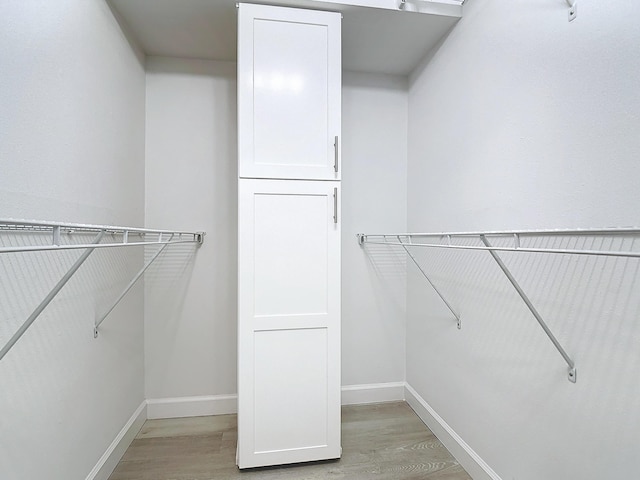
(521, 120)
(374, 179)
(71, 149)
(191, 182)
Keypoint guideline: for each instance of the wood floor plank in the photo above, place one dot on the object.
(174, 427)
(382, 441)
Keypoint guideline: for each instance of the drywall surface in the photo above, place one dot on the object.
(191, 183)
(520, 119)
(71, 149)
(374, 179)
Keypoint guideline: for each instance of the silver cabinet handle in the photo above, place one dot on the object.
(335, 205)
(335, 153)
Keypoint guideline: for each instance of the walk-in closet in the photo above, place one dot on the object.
(286, 239)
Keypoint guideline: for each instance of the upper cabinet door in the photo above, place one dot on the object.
(289, 93)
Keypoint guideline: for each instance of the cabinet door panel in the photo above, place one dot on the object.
(292, 361)
(290, 260)
(288, 322)
(290, 83)
(289, 87)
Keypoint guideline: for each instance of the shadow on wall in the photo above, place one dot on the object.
(167, 282)
(389, 265)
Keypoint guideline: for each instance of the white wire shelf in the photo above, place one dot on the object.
(445, 240)
(53, 236)
(57, 235)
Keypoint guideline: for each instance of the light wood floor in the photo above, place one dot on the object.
(385, 441)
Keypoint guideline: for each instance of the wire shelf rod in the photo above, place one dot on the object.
(605, 253)
(44, 248)
(492, 233)
(39, 225)
(143, 236)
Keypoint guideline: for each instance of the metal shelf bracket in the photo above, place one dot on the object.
(532, 309)
(361, 241)
(573, 9)
(50, 296)
(133, 281)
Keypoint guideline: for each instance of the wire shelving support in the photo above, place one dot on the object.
(424, 274)
(54, 236)
(444, 240)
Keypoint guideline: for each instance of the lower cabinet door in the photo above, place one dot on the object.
(288, 321)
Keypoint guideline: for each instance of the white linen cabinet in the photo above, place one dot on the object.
(289, 96)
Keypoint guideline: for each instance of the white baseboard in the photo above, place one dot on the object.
(351, 395)
(192, 406)
(466, 456)
(199, 406)
(372, 393)
(114, 453)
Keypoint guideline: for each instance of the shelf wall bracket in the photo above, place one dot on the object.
(573, 9)
(572, 368)
(54, 291)
(424, 274)
(362, 240)
(133, 281)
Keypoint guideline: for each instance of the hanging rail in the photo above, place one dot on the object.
(406, 240)
(52, 236)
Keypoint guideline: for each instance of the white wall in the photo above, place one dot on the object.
(71, 149)
(191, 183)
(374, 179)
(520, 119)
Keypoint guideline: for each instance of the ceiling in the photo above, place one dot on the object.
(376, 35)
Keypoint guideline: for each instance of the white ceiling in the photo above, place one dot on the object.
(376, 35)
